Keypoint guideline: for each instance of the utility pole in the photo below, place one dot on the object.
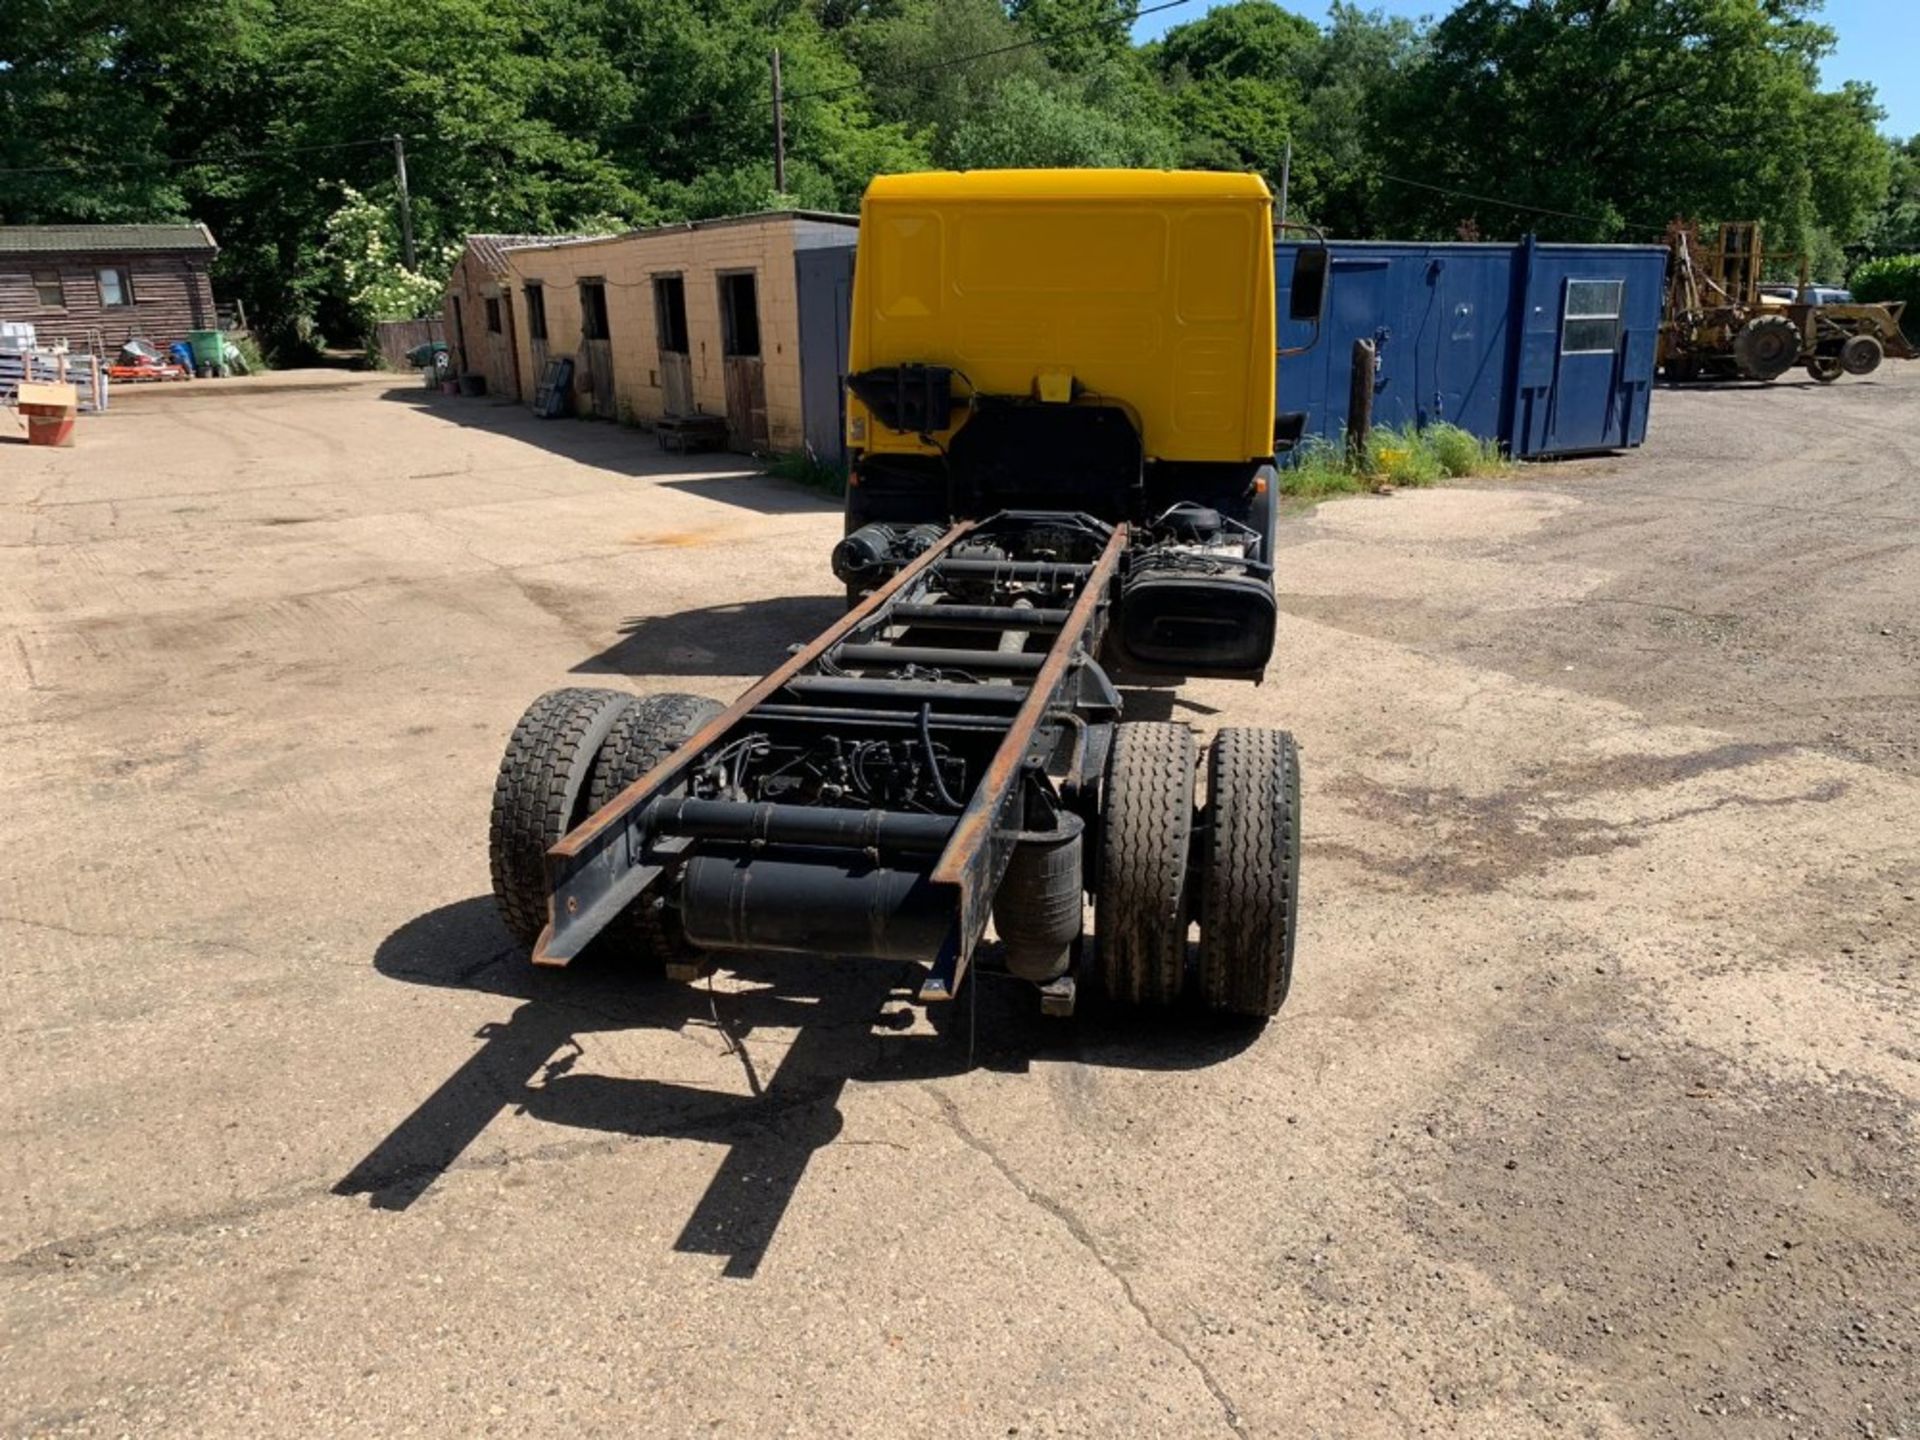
(1286, 179)
(779, 130)
(406, 200)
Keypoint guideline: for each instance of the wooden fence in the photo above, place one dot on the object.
(394, 338)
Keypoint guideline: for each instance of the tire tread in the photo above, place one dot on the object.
(539, 794)
(1140, 909)
(1249, 911)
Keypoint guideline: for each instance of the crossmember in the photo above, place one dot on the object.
(866, 797)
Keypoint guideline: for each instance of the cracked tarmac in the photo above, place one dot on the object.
(1593, 1111)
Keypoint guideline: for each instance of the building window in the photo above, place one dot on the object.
(116, 287)
(739, 314)
(493, 314)
(670, 313)
(593, 310)
(47, 288)
(536, 312)
(1592, 317)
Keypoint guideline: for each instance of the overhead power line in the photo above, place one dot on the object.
(1455, 194)
(158, 162)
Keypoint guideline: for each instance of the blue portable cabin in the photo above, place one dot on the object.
(1546, 348)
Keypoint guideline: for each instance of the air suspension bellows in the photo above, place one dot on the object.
(1037, 909)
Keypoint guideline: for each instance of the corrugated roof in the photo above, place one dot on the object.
(103, 239)
(718, 222)
(487, 248)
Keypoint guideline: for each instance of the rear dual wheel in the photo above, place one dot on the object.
(1247, 848)
(1140, 907)
(540, 793)
(573, 751)
(1250, 904)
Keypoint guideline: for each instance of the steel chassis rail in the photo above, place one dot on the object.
(875, 672)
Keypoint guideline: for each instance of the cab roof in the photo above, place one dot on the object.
(1056, 185)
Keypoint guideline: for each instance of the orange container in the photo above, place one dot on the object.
(54, 429)
(49, 410)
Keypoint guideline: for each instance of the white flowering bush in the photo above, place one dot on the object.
(364, 251)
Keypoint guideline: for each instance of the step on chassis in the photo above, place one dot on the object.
(948, 753)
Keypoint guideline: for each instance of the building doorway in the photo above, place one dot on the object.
(596, 346)
(670, 325)
(740, 350)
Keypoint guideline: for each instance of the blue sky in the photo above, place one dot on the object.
(1879, 43)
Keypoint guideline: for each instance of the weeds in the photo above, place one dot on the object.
(1395, 458)
(253, 359)
(805, 469)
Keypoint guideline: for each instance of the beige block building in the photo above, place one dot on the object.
(480, 323)
(689, 320)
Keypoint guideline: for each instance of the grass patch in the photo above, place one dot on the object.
(803, 469)
(1395, 458)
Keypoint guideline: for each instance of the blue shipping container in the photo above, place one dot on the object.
(1546, 348)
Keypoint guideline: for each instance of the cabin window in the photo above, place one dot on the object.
(1592, 317)
(493, 314)
(537, 312)
(116, 287)
(739, 314)
(48, 290)
(670, 313)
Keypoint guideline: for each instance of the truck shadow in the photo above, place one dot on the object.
(748, 638)
(846, 1021)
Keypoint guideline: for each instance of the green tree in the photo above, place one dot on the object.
(95, 108)
(1629, 111)
(1896, 224)
(907, 57)
(1027, 125)
(1345, 84)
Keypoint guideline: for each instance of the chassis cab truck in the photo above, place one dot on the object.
(1061, 416)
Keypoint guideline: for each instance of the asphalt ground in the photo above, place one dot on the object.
(1592, 1113)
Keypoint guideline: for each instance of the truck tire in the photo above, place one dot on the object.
(1251, 877)
(541, 793)
(1766, 347)
(1825, 368)
(652, 729)
(1861, 355)
(1140, 903)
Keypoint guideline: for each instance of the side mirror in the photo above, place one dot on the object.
(1308, 294)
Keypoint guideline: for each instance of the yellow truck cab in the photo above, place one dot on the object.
(1083, 341)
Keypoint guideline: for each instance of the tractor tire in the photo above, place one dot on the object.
(1825, 368)
(651, 730)
(1250, 905)
(1140, 901)
(1766, 347)
(1862, 354)
(542, 792)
